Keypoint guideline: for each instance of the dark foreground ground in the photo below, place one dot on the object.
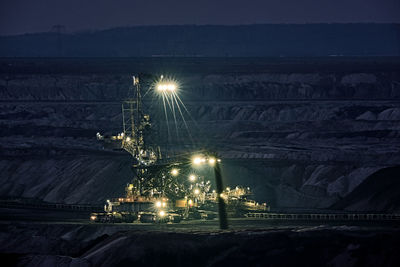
(76, 242)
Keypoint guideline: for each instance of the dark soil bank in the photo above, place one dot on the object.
(68, 245)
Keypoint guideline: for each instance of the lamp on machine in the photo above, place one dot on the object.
(199, 160)
(174, 172)
(192, 177)
(166, 85)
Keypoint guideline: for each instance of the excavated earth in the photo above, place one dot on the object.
(302, 133)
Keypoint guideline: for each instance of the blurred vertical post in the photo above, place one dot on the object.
(223, 220)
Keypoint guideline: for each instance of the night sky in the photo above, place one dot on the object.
(26, 16)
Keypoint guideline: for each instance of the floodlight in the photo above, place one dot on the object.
(197, 160)
(165, 87)
(192, 177)
(211, 161)
(174, 172)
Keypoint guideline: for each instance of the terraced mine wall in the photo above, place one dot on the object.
(301, 134)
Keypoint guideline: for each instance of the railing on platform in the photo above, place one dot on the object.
(326, 216)
(52, 206)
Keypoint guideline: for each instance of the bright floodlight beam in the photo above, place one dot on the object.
(192, 177)
(200, 160)
(197, 160)
(211, 161)
(174, 172)
(166, 87)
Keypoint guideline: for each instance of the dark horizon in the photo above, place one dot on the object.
(24, 16)
(62, 29)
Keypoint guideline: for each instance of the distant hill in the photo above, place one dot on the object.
(276, 40)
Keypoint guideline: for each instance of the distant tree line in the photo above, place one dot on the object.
(271, 40)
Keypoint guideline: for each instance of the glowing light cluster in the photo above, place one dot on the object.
(160, 204)
(174, 172)
(166, 87)
(200, 160)
(211, 161)
(192, 177)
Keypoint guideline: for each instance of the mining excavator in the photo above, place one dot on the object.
(164, 188)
